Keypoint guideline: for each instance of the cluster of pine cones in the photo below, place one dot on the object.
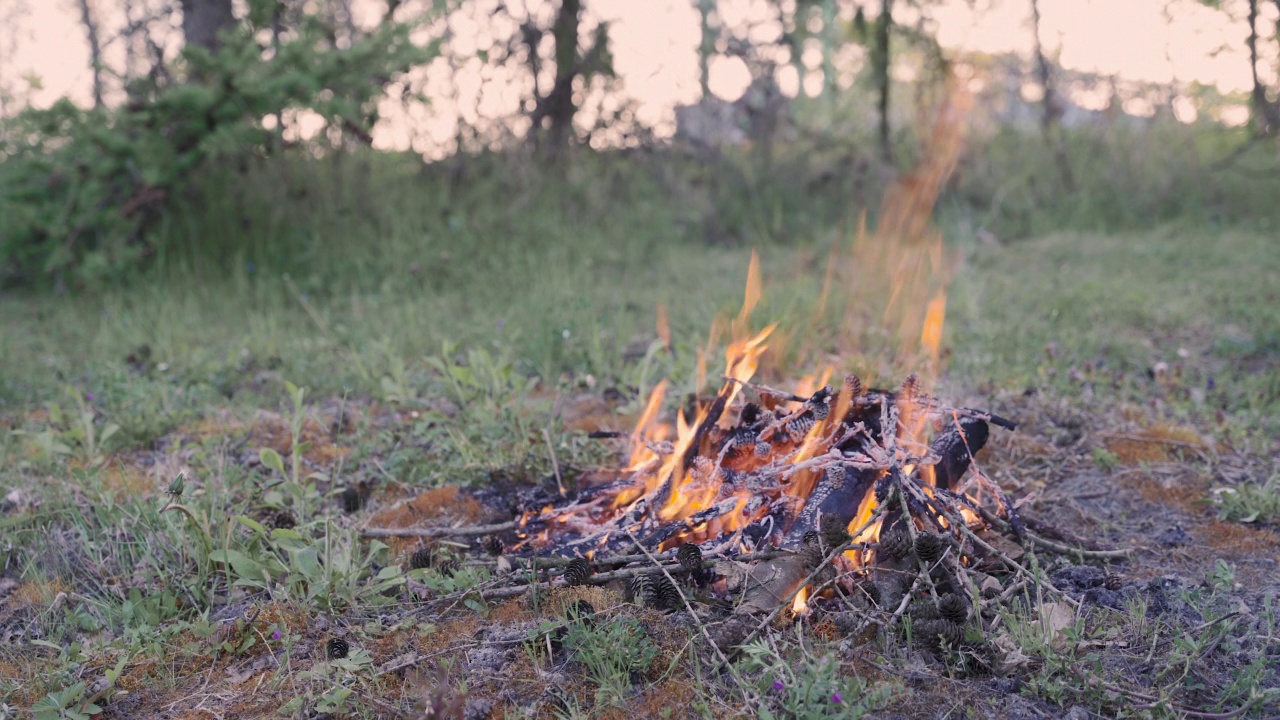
(944, 622)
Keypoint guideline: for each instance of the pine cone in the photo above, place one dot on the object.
(734, 630)
(951, 632)
(336, 648)
(582, 611)
(740, 440)
(910, 389)
(279, 518)
(665, 595)
(423, 557)
(896, 543)
(492, 544)
(690, 557)
(577, 572)
(800, 426)
(763, 449)
(934, 632)
(1113, 582)
(924, 612)
(821, 406)
(953, 608)
(352, 498)
(640, 590)
(835, 530)
(929, 547)
(813, 556)
(852, 386)
(882, 488)
(872, 591)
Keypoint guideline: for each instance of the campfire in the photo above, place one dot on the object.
(759, 501)
(853, 478)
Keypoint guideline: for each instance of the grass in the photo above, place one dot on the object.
(438, 336)
(1185, 309)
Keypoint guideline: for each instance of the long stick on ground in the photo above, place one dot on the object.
(439, 532)
(1055, 546)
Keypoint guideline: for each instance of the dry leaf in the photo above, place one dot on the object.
(1009, 658)
(1055, 618)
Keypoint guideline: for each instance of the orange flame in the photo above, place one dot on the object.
(664, 327)
(751, 296)
(800, 606)
(640, 452)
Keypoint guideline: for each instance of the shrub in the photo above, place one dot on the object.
(80, 189)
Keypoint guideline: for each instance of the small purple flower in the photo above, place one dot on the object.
(778, 685)
(89, 396)
(501, 324)
(837, 698)
(275, 635)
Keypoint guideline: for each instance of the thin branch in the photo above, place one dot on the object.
(439, 532)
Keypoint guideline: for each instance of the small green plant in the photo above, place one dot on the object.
(334, 572)
(611, 651)
(72, 433)
(806, 687)
(65, 704)
(1105, 459)
(1249, 502)
(333, 701)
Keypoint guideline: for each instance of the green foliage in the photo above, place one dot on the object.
(1067, 669)
(1127, 174)
(80, 432)
(65, 704)
(808, 687)
(81, 190)
(1105, 459)
(335, 570)
(611, 651)
(1249, 502)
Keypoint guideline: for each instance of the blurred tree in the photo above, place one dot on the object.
(203, 21)
(877, 38)
(554, 107)
(80, 189)
(1051, 105)
(1266, 112)
(709, 24)
(88, 18)
(880, 73)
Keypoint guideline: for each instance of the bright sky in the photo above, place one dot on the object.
(654, 43)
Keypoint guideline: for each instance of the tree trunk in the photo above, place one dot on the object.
(95, 49)
(560, 107)
(830, 45)
(1266, 113)
(880, 63)
(203, 20)
(707, 47)
(1050, 104)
